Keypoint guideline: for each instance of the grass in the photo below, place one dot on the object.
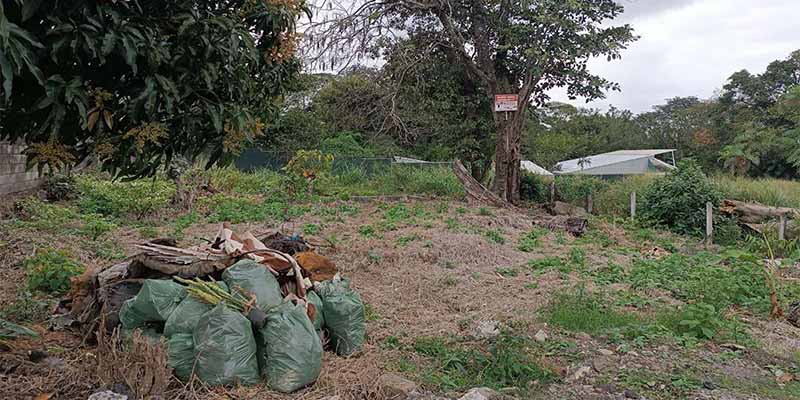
(769, 191)
(507, 361)
(494, 236)
(583, 312)
(530, 241)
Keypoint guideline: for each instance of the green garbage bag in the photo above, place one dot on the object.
(155, 302)
(289, 350)
(256, 279)
(180, 349)
(319, 318)
(186, 316)
(225, 348)
(344, 316)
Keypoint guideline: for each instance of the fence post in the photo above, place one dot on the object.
(782, 228)
(553, 192)
(590, 204)
(709, 223)
(633, 204)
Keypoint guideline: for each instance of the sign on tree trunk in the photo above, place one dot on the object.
(506, 102)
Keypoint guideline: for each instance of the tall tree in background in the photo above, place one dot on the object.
(136, 83)
(510, 47)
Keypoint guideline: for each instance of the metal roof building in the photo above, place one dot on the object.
(534, 168)
(618, 163)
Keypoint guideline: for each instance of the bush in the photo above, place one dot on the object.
(59, 187)
(678, 200)
(533, 188)
(233, 181)
(576, 188)
(614, 199)
(50, 271)
(123, 199)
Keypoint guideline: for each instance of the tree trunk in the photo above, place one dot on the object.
(507, 155)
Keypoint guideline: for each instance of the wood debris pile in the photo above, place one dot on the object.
(103, 290)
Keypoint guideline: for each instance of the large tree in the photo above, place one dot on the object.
(510, 47)
(135, 83)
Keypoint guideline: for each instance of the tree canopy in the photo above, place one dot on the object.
(136, 83)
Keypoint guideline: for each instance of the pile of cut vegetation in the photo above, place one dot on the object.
(238, 310)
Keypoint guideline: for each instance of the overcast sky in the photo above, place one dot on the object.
(690, 47)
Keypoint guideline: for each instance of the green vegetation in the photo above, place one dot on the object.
(530, 241)
(50, 271)
(679, 199)
(495, 236)
(507, 361)
(133, 199)
(583, 312)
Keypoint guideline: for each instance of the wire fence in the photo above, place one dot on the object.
(254, 159)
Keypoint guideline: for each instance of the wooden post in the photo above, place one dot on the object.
(590, 204)
(633, 204)
(709, 223)
(553, 192)
(782, 228)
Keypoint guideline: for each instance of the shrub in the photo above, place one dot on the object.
(59, 187)
(306, 167)
(233, 181)
(135, 198)
(678, 200)
(533, 188)
(614, 198)
(50, 271)
(576, 188)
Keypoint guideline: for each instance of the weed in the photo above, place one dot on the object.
(50, 271)
(530, 241)
(391, 343)
(367, 231)
(404, 240)
(47, 217)
(583, 312)
(450, 281)
(374, 257)
(182, 223)
(452, 224)
(507, 361)
(447, 264)
(370, 313)
(148, 232)
(26, 308)
(485, 212)
(507, 272)
(135, 198)
(546, 264)
(532, 285)
(311, 229)
(95, 226)
(494, 236)
(577, 256)
(608, 274)
(461, 210)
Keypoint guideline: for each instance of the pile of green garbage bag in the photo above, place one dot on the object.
(221, 346)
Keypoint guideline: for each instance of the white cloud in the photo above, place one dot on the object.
(690, 48)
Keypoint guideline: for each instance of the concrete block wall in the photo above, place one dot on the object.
(13, 175)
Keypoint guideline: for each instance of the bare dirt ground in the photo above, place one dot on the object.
(434, 273)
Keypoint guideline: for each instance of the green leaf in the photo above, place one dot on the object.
(29, 8)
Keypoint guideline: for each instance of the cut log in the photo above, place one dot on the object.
(477, 192)
(185, 263)
(755, 213)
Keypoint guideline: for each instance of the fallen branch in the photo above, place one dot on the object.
(477, 192)
(755, 213)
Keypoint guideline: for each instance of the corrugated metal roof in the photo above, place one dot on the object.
(533, 168)
(600, 160)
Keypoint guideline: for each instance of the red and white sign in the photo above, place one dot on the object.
(506, 102)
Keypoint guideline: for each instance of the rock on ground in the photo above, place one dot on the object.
(107, 395)
(482, 393)
(396, 387)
